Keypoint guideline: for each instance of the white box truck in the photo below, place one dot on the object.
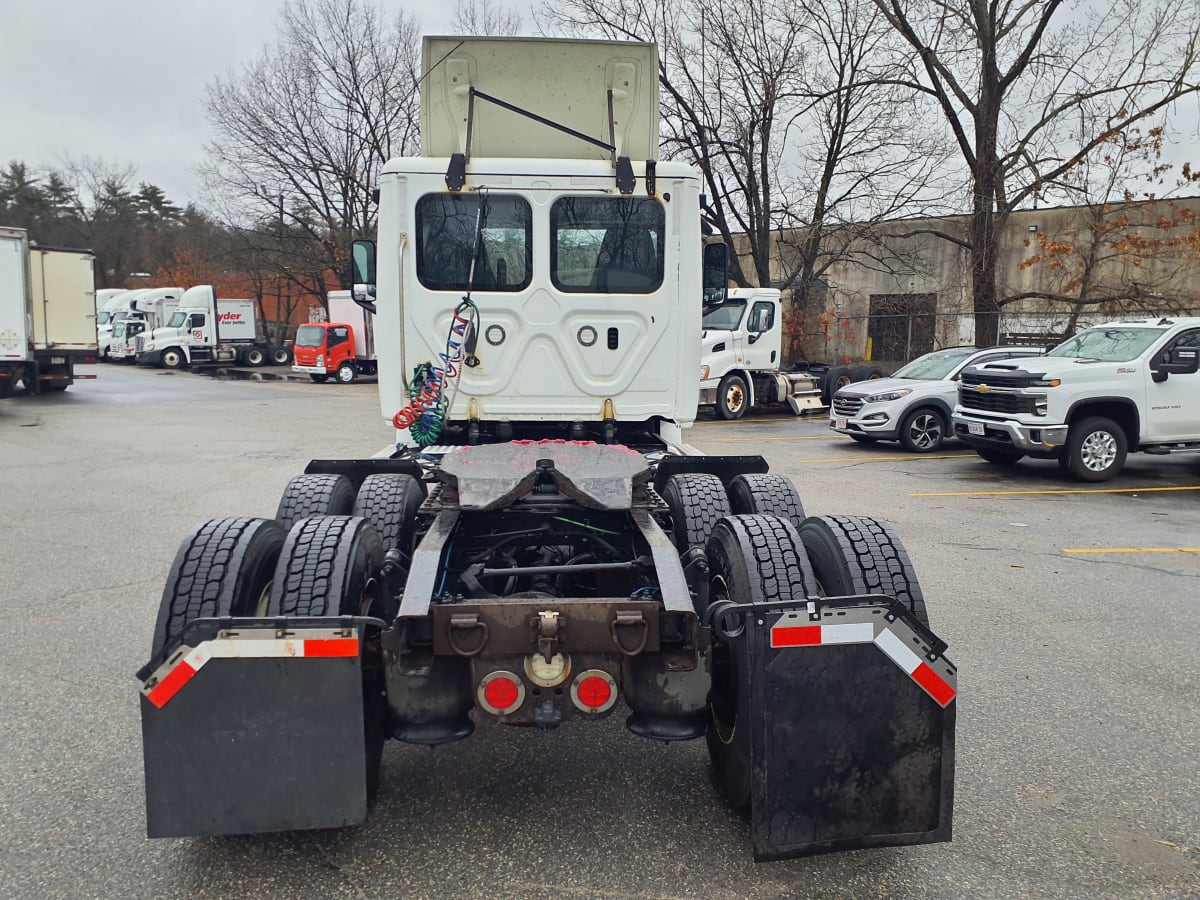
(47, 314)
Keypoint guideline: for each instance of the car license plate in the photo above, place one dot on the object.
(841, 423)
(975, 428)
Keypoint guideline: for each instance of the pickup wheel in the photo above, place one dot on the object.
(172, 358)
(330, 566)
(767, 493)
(751, 558)
(223, 568)
(1096, 449)
(733, 397)
(697, 501)
(346, 373)
(390, 502)
(861, 555)
(318, 377)
(315, 495)
(1000, 457)
(922, 431)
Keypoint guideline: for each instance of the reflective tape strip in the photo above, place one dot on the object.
(816, 635)
(182, 672)
(864, 633)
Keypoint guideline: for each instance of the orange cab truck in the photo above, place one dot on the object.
(343, 347)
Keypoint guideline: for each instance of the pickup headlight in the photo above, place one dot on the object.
(887, 396)
(704, 373)
(1045, 382)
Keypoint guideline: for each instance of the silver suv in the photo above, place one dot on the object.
(914, 405)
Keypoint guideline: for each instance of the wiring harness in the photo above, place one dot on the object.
(434, 385)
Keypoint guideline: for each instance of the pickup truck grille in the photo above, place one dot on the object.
(995, 402)
(972, 377)
(847, 406)
(139, 343)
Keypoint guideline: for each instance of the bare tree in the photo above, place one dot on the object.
(486, 17)
(1030, 89)
(795, 116)
(300, 134)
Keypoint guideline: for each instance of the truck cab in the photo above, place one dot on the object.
(741, 350)
(202, 330)
(323, 349)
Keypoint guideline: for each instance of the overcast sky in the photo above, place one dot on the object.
(124, 80)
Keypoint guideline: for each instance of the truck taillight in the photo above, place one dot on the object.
(500, 693)
(594, 691)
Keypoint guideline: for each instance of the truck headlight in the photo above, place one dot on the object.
(321, 360)
(150, 345)
(1045, 382)
(887, 396)
(704, 373)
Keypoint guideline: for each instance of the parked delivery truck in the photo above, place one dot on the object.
(343, 347)
(205, 330)
(47, 314)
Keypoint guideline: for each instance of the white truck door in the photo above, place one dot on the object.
(761, 330)
(1173, 406)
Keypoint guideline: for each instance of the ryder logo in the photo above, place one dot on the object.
(228, 317)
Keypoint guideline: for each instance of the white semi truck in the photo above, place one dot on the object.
(47, 314)
(205, 330)
(145, 310)
(741, 358)
(538, 545)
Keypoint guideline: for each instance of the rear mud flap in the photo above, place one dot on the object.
(250, 732)
(852, 744)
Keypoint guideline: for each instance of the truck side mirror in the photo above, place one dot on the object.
(362, 273)
(716, 274)
(1180, 361)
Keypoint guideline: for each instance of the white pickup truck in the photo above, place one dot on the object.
(1108, 391)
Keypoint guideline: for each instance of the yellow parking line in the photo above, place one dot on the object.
(858, 459)
(781, 437)
(814, 419)
(1148, 490)
(1137, 550)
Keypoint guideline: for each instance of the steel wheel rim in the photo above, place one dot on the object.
(735, 397)
(925, 431)
(345, 376)
(1098, 451)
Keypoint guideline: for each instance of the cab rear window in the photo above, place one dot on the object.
(493, 231)
(607, 245)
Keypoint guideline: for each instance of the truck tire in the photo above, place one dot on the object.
(860, 373)
(315, 495)
(223, 568)
(281, 356)
(330, 566)
(861, 555)
(255, 357)
(733, 397)
(751, 558)
(922, 430)
(1095, 449)
(172, 358)
(837, 377)
(1000, 457)
(390, 502)
(769, 494)
(318, 377)
(697, 501)
(346, 373)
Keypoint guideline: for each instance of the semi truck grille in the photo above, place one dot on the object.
(847, 406)
(995, 402)
(139, 343)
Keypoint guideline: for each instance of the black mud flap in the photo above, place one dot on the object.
(255, 730)
(852, 743)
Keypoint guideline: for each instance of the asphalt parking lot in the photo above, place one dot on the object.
(1072, 612)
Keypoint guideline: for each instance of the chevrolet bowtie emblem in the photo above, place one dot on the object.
(982, 388)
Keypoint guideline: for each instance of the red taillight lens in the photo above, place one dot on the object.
(501, 693)
(594, 691)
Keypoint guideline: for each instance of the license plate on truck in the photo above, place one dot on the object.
(58, 360)
(975, 428)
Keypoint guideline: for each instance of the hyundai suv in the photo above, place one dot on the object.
(914, 405)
